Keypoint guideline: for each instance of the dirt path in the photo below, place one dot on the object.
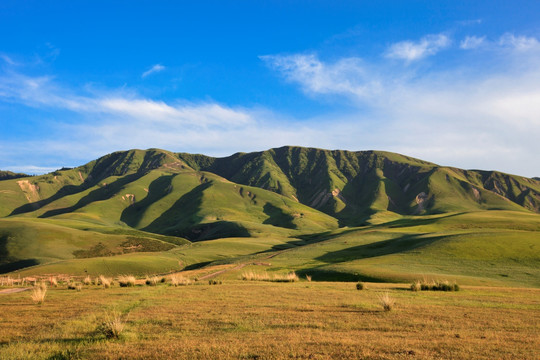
(12, 291)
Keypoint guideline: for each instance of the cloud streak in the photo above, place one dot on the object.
(417, 50)
(154, 69)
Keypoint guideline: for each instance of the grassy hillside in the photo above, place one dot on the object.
(355, 186)
(334, 214)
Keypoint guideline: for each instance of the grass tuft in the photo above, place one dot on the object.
(87, 280)
(105, 281)
(253, 276)
(112, 326)
(308, 278)
(360, 286)
(126, 281)
(178, 280)
(386, 301)
(434, 286)
(38, 293)
(152, 281)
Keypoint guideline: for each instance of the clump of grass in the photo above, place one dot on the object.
(112, 326)
(53, 281)
(434, 286)
(152, 281)
(290, 277)
(308, 278)
(38, 293)
(78, 286)
(416, 286)
(105, 281)
(7, 281)
(71, 286)
(253, 276)
(387, 302)
(163, 280)
(178, 280)
(126, 281)
(215, 282)
(360, 286)
(87, 280)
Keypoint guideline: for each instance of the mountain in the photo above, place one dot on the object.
(138, 210)
(354, 186)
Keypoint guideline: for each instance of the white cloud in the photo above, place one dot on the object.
(154, 69)
(347, 76)
(471, 117)
(521, 43)
(411, 51)
(472, 42)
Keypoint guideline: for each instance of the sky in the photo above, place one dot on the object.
(454, 82)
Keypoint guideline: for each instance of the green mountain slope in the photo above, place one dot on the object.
(355, 186)
(143, 210)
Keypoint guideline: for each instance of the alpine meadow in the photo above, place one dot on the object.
(269, 180)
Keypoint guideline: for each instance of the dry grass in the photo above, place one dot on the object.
(265, 320)
(179, 280)
(152, 281)
(105, 281)
(112, 326)
(126, 281)
(308, 278)
(53, 281)
(386, 301)
(253, 276)
(416, 286)
(87, 280)
(38, 293)
(439, 285)
(6, 281)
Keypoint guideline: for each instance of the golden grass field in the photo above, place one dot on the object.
(267, 320)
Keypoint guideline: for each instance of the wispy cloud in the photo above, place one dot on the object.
(472, 42)
(471, 115)
(411, 50)
(154, 69)
(7, 59)
(521, 43)
(347, 76)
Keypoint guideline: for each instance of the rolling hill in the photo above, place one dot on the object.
(144, 211)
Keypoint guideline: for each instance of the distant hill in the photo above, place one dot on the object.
(155, 201)
(6, 175)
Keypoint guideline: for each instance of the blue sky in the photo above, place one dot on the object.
(452, 82)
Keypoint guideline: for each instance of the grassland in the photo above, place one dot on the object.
(261, 320)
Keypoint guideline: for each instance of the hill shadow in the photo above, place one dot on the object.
(379, 248)
(182, 214)
(103, 193)
(277, 217)
(157, 190)
(8, 263)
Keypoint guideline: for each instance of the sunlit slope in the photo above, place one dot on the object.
(28, 241)
(356, 186)
(497, 247)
